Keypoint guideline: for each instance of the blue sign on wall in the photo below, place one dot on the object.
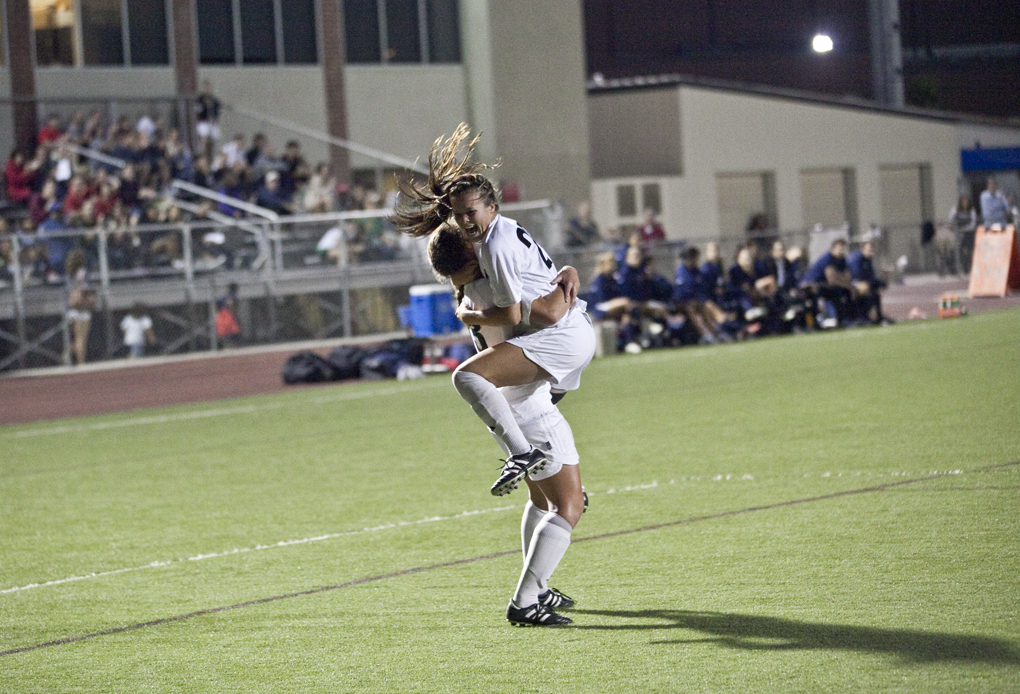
(995, 159)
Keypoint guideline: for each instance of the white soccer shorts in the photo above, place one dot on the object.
(563, 350)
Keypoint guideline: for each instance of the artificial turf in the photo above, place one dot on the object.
(830, 512)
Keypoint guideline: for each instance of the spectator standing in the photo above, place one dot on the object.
(963, 218)
(582, 230)
(19, 175)
(6, 255)
(81, 302)
(233, 151)
(994, 205)
(228, 330)
(208, 117)
(137, 329)
(293, 170)
(58, 247)
(651, 230)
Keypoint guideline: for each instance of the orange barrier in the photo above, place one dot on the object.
(996, 268)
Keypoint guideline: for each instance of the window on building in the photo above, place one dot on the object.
(828, 197)
(258, 31)
(626, 201)
(443, 31)
(215, 31)
(361, 19)
(743, 197)
(300, 45)
(403, 37)
(402, 31)
(53, 24)
(651, 197)
(100, 32)
(147, 32)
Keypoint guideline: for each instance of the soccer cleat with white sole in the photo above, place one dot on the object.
(537, 615)
(515, 468)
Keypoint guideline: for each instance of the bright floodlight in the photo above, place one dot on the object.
(821, 43)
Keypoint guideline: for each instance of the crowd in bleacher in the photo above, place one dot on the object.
(60, 185)
(766, 290)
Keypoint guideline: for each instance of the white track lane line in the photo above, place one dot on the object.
(201, 414)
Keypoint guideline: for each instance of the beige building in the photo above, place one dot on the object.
(709, 158)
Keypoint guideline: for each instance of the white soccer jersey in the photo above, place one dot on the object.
(516, 266)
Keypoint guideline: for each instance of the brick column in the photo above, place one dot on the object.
(334, 60)
(22, 73)
(183, 34)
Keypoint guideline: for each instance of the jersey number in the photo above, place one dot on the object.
(526, 239)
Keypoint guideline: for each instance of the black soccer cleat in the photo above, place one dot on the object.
(537, 615)
(515, 468)
(555, 600)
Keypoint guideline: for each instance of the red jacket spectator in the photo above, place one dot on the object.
(50, 132)
(19, 177)
(76, 195)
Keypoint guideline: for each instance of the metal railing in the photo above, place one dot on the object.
(352, 283)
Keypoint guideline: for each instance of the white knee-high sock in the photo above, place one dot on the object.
(492, 408)
(548, 545)
(529, 521)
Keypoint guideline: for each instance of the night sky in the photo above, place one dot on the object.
(768, 43)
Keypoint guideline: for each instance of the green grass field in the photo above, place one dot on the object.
(828, 513)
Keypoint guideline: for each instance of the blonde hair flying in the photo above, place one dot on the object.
(421, 208)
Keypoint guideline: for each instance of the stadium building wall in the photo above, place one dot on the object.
(714, 135)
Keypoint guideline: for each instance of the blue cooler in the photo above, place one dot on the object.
(433, 310)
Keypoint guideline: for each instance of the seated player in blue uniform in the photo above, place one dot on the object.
(649, 314)
(784, 285)
(829, 279)
(867, 283)
(605, 295)
(693, 293)
(752, 292)
(713, 272)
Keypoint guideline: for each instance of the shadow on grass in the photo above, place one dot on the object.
(749, 632)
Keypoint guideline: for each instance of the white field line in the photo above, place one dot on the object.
(730, 477)
(257, 548)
